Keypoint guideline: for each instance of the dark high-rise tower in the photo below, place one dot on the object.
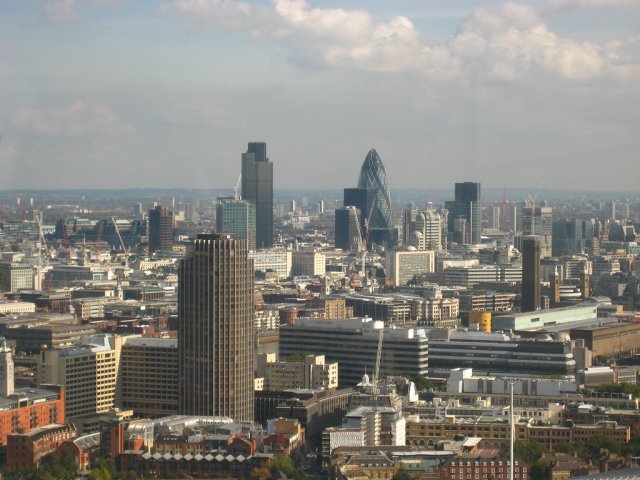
(257, 187)
(530, 273)
(464, 222)
(347, 234)
(215, 331)
(160, 229)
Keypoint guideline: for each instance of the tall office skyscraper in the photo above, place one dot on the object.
(538, 221)
(215, 332)
(464, 222)
(160, 229)
(237, 217)
(530, 273)
(348, 236)
(257, 187)
(373, 177)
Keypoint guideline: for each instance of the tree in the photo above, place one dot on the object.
(401, 475)
(540, 470)
(528, 451)
(564, 447)
(619, 388)
(421, 382)
(285, 465)
(591, 447)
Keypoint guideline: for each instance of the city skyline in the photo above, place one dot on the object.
(157, 93)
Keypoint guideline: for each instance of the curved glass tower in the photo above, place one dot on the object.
(373, 177)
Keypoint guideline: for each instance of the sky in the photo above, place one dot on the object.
(167, 93)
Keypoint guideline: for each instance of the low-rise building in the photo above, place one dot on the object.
(26, 449)
(313, 372)
(482, 468)
(308, 263)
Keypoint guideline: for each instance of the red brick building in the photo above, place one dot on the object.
(84, 449)
(482, 469)
(550, 435)
(26, 449)
(30, 408)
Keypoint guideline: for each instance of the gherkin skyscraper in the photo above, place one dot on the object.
(373, 178)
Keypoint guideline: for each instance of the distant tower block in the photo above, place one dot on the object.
(530, 274)
(554, 285)
(584, 283)
(6, 370)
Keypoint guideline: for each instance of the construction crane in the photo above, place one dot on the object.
(376, 372)
(96, 247)
(236, 195)
(46, 250)
(124, 249)
(38, 217)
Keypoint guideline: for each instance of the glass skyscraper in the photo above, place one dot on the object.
(373, 178)
(464, 222)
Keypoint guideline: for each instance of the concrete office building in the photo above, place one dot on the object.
(530, 274)
(7, 308)
(238, 218)
(394, 309)
(257, 188)
(160, 229)
(471, 276)
(311, 373)
(63, 275)
(216, 329)
(308, 263)
(423, 229)
(353, 344)
(493, 353)
(15, 277)
(89, 373)
(32, 332)
(378, 426)
(149, 376)
(276, 260)
(404, 265)
(486, 301)
(538, 320)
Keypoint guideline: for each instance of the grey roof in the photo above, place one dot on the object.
(30, 393)
(627, 473)
(153, 342)
(91, 440)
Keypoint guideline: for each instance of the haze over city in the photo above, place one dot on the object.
(119, 94)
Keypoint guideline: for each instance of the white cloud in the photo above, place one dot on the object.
(204, 115)
(512, 42)
(62, 11)
(579, 4)
(76, 119)
(507, 42)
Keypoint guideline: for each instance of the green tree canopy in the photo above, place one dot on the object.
(528, 451)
